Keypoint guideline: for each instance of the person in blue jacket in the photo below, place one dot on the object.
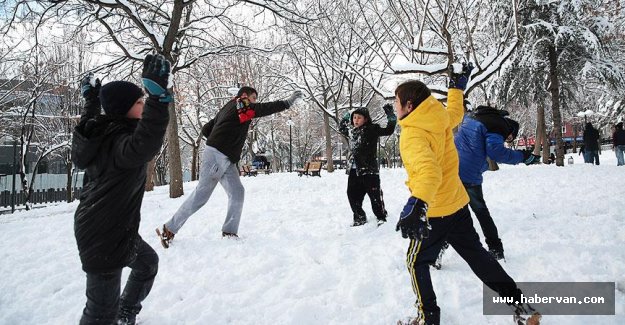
(482, 135)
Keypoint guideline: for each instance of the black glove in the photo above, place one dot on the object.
(460, 80)
(529, 158)
(413, 221)
(294, 96)
(390, 112)
(89, 91)
(156, 76)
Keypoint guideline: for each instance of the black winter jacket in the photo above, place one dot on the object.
(591, 138)
(227, 131)
(114, 152)
(618, 137)
(364, 142)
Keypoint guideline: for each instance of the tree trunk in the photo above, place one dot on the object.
(70, 196)
(326, 129)
(149, 180)
(492, 165)
(173, 152)
(554, 88)
(195, 157)
(542, 130)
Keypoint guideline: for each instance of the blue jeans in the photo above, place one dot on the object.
(478, 205)
(591, 156)
(619, 154)
(104, 304)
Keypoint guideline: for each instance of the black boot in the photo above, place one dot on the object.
(359, 220)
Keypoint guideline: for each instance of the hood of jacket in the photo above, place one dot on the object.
(430, 116)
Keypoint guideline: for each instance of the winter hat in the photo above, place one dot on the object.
(513, 126)
(619, 125)
(117, 97)
(361, 111)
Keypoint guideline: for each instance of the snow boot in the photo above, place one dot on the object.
(359, 220)
(524, 314)
(229, 235)
(166, 236)
(381, 222)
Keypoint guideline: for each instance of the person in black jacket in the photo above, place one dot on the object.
(114, 150)
(364, 173)
(618, 143)
(591, 144)
(226, 134)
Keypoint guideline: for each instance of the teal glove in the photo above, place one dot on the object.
(155, 77)
(89, 88)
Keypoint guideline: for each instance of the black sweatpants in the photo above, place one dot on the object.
(478, 205)
(104, 303)
(357, 187)
(458, 230)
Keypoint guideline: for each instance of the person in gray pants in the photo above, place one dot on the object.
(226, 134)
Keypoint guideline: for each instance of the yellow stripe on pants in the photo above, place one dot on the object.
(411, 257)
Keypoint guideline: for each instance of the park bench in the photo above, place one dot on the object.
(312, 168)
(249, 171)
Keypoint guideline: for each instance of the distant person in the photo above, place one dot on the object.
(363, 171)
(618, 143)
(114, 149)
(437, 208)
(591, 144)
(226, 134)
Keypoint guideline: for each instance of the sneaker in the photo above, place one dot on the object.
(229, 235)
(521, 312)
(433, 318)
(166, 236)
(359, 223)
(497, 253)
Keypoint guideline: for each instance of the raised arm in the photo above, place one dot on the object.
(391, 121)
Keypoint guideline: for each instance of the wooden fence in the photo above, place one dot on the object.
(38, 196)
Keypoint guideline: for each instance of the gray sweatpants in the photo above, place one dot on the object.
(215, 168)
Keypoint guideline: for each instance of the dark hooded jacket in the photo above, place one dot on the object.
(591, 138)
(364, 141)
(114, 152)
(227, 131)
(618, 137)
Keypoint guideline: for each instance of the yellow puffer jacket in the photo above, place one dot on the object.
(429, 154)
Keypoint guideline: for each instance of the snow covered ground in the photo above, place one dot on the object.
(299, 262)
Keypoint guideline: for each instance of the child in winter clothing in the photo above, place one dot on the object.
(480, 136)
(364, 173)
(437, 209)
(226, 134)
(114, 149)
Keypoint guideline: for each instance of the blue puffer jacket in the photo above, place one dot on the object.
(475, 142)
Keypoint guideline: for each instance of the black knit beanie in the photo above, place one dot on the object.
(117, 97)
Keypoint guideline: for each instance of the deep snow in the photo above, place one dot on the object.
(299, 262)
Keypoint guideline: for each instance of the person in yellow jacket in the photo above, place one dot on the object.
(437, 208)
